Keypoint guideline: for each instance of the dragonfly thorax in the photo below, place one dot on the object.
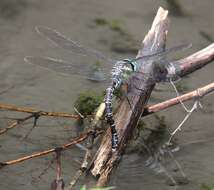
(120, 71)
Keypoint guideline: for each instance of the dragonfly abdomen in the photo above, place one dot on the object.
(109, 116)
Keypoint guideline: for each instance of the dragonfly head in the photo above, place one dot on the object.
(131, 63)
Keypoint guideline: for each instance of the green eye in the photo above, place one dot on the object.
(132, 63)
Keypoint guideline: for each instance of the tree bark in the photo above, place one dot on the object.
(195, 61)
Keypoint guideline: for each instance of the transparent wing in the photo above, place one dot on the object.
(161, 54)
(62, 41)
(161, 66)
(93, 73)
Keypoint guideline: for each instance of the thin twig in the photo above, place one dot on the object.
(41, 113)
(183, 121)
(81, 116)
(78, 139)
(85, 164)
(198, 93)
(58, 183)
(80, 171)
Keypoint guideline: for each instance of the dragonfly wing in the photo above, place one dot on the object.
(161, 54)
(66, 68)
(62, 41)
(160, 64)
(163, 72)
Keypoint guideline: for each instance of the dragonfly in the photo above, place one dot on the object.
(113, 70)
(98, 72)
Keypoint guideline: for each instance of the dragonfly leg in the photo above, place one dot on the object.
(133, 88)
(124, 90)
(129, 102)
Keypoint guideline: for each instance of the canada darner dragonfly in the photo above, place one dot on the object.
(118, 74)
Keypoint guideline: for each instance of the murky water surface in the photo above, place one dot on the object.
(27, 85)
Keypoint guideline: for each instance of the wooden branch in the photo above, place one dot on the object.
(38, 112)
(184, 67)
(78, 139)
(126, 119)
(195, 61)
(198, 93)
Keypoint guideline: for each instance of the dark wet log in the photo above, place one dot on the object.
(198, 93)
(127, 118)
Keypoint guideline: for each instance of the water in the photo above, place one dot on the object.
(35, 87)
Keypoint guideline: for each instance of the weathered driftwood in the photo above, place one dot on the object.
(127, 118)
(195, 61)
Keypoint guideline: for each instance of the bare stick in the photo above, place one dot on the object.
(198, 93)
(79, 172)
(79, 139)
(58, 183)
(75, 179)
(85, 163)
(40, 113)
(195, 61)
